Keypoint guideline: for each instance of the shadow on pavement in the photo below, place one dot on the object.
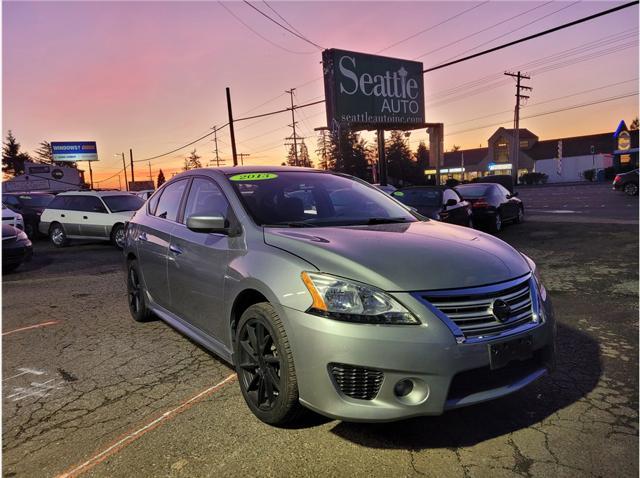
(579, 369)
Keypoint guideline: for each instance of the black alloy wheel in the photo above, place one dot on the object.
(264, 363)
(631, 189)
(260, 364)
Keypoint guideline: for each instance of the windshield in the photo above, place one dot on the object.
(472, 190)
(307, 199)
(37, 200)
(122, 203)
(423, 197)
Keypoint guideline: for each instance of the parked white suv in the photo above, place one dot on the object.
(88, 215)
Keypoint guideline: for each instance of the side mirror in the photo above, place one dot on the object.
(451, 202)
(216, 224)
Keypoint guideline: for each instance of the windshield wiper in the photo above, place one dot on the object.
(290, 224)
(385, 220)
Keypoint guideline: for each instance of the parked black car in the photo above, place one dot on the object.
(437, 202)
(492, 205)
(30, 205)
(16, 248)
(627, 182)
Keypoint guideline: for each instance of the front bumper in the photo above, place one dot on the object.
(442, 369)
(17, 254)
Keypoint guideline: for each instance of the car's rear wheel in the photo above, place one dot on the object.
(57, 235)
(117, 236)
(520, 217)
(631, 189)
(136, 294)
(496, 223)
(265, 368)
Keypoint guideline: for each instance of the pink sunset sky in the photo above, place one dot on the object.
(151, 76)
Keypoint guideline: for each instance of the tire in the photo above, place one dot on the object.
(136, 296)
(630, 189)
(57, 235)
(117, 236)
(496, 224)
(520, 217)
(30, 230)
(265, 368)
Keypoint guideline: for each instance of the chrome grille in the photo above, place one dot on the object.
(356, 382)
(472, 312)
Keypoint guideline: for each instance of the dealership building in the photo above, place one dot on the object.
(561, 159)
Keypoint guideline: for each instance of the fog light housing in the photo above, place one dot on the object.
(403, 388)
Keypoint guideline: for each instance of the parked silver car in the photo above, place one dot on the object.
(326, 293)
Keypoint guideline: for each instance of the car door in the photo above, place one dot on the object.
(197, 262)
(153, 238)
(95, 218)
(511, 204)
(71, 216)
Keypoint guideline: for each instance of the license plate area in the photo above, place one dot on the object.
(501, 353)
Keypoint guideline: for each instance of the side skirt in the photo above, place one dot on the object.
(192, 332)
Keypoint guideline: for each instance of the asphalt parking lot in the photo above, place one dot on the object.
(90, 392)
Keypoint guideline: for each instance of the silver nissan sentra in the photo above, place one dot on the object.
(325, 293)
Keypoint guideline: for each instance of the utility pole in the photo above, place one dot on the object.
(90, 174)
(131, 159)
(124, 168)
(436, 146)
(231, 131)
(293, 125)
(150, 177)
(119, 183)
(242, 156)
(382, 160)
(516, 120)
(215, 139)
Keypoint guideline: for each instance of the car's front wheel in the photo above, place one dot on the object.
(631, 189)
(265, 368)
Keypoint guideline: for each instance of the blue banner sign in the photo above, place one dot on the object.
(74, 151)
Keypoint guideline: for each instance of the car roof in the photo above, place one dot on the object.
(425, 186)
(477, 184)
(94, 193)
(258, 169)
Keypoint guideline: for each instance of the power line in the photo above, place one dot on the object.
(283, 27)
(262, 36)
(531, 37)
(281, 17)
(181, 147)
(447, 20)
(481, 31)
(568, 108)
(515, 29)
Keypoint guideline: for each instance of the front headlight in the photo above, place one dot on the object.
(22, 236)
(536, 276)
(348, 301)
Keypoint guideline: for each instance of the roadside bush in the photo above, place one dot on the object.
(533, 178)
(589, 175)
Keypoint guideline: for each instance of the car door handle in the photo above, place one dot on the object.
(85, 217)
(143, 237)
(62, 215)
(175, 249)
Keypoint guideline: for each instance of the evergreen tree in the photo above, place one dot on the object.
(304, 158)
(348, 155)
(12, 158)
(44, 153)
(400, 164)
(291, 157)
(634, 124)
(161, 180)
(192, 161)
(455, 148)
(323, 149)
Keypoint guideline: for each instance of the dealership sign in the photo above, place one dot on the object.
(372, 92)
(74, 151)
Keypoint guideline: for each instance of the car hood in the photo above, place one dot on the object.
(404, 257)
